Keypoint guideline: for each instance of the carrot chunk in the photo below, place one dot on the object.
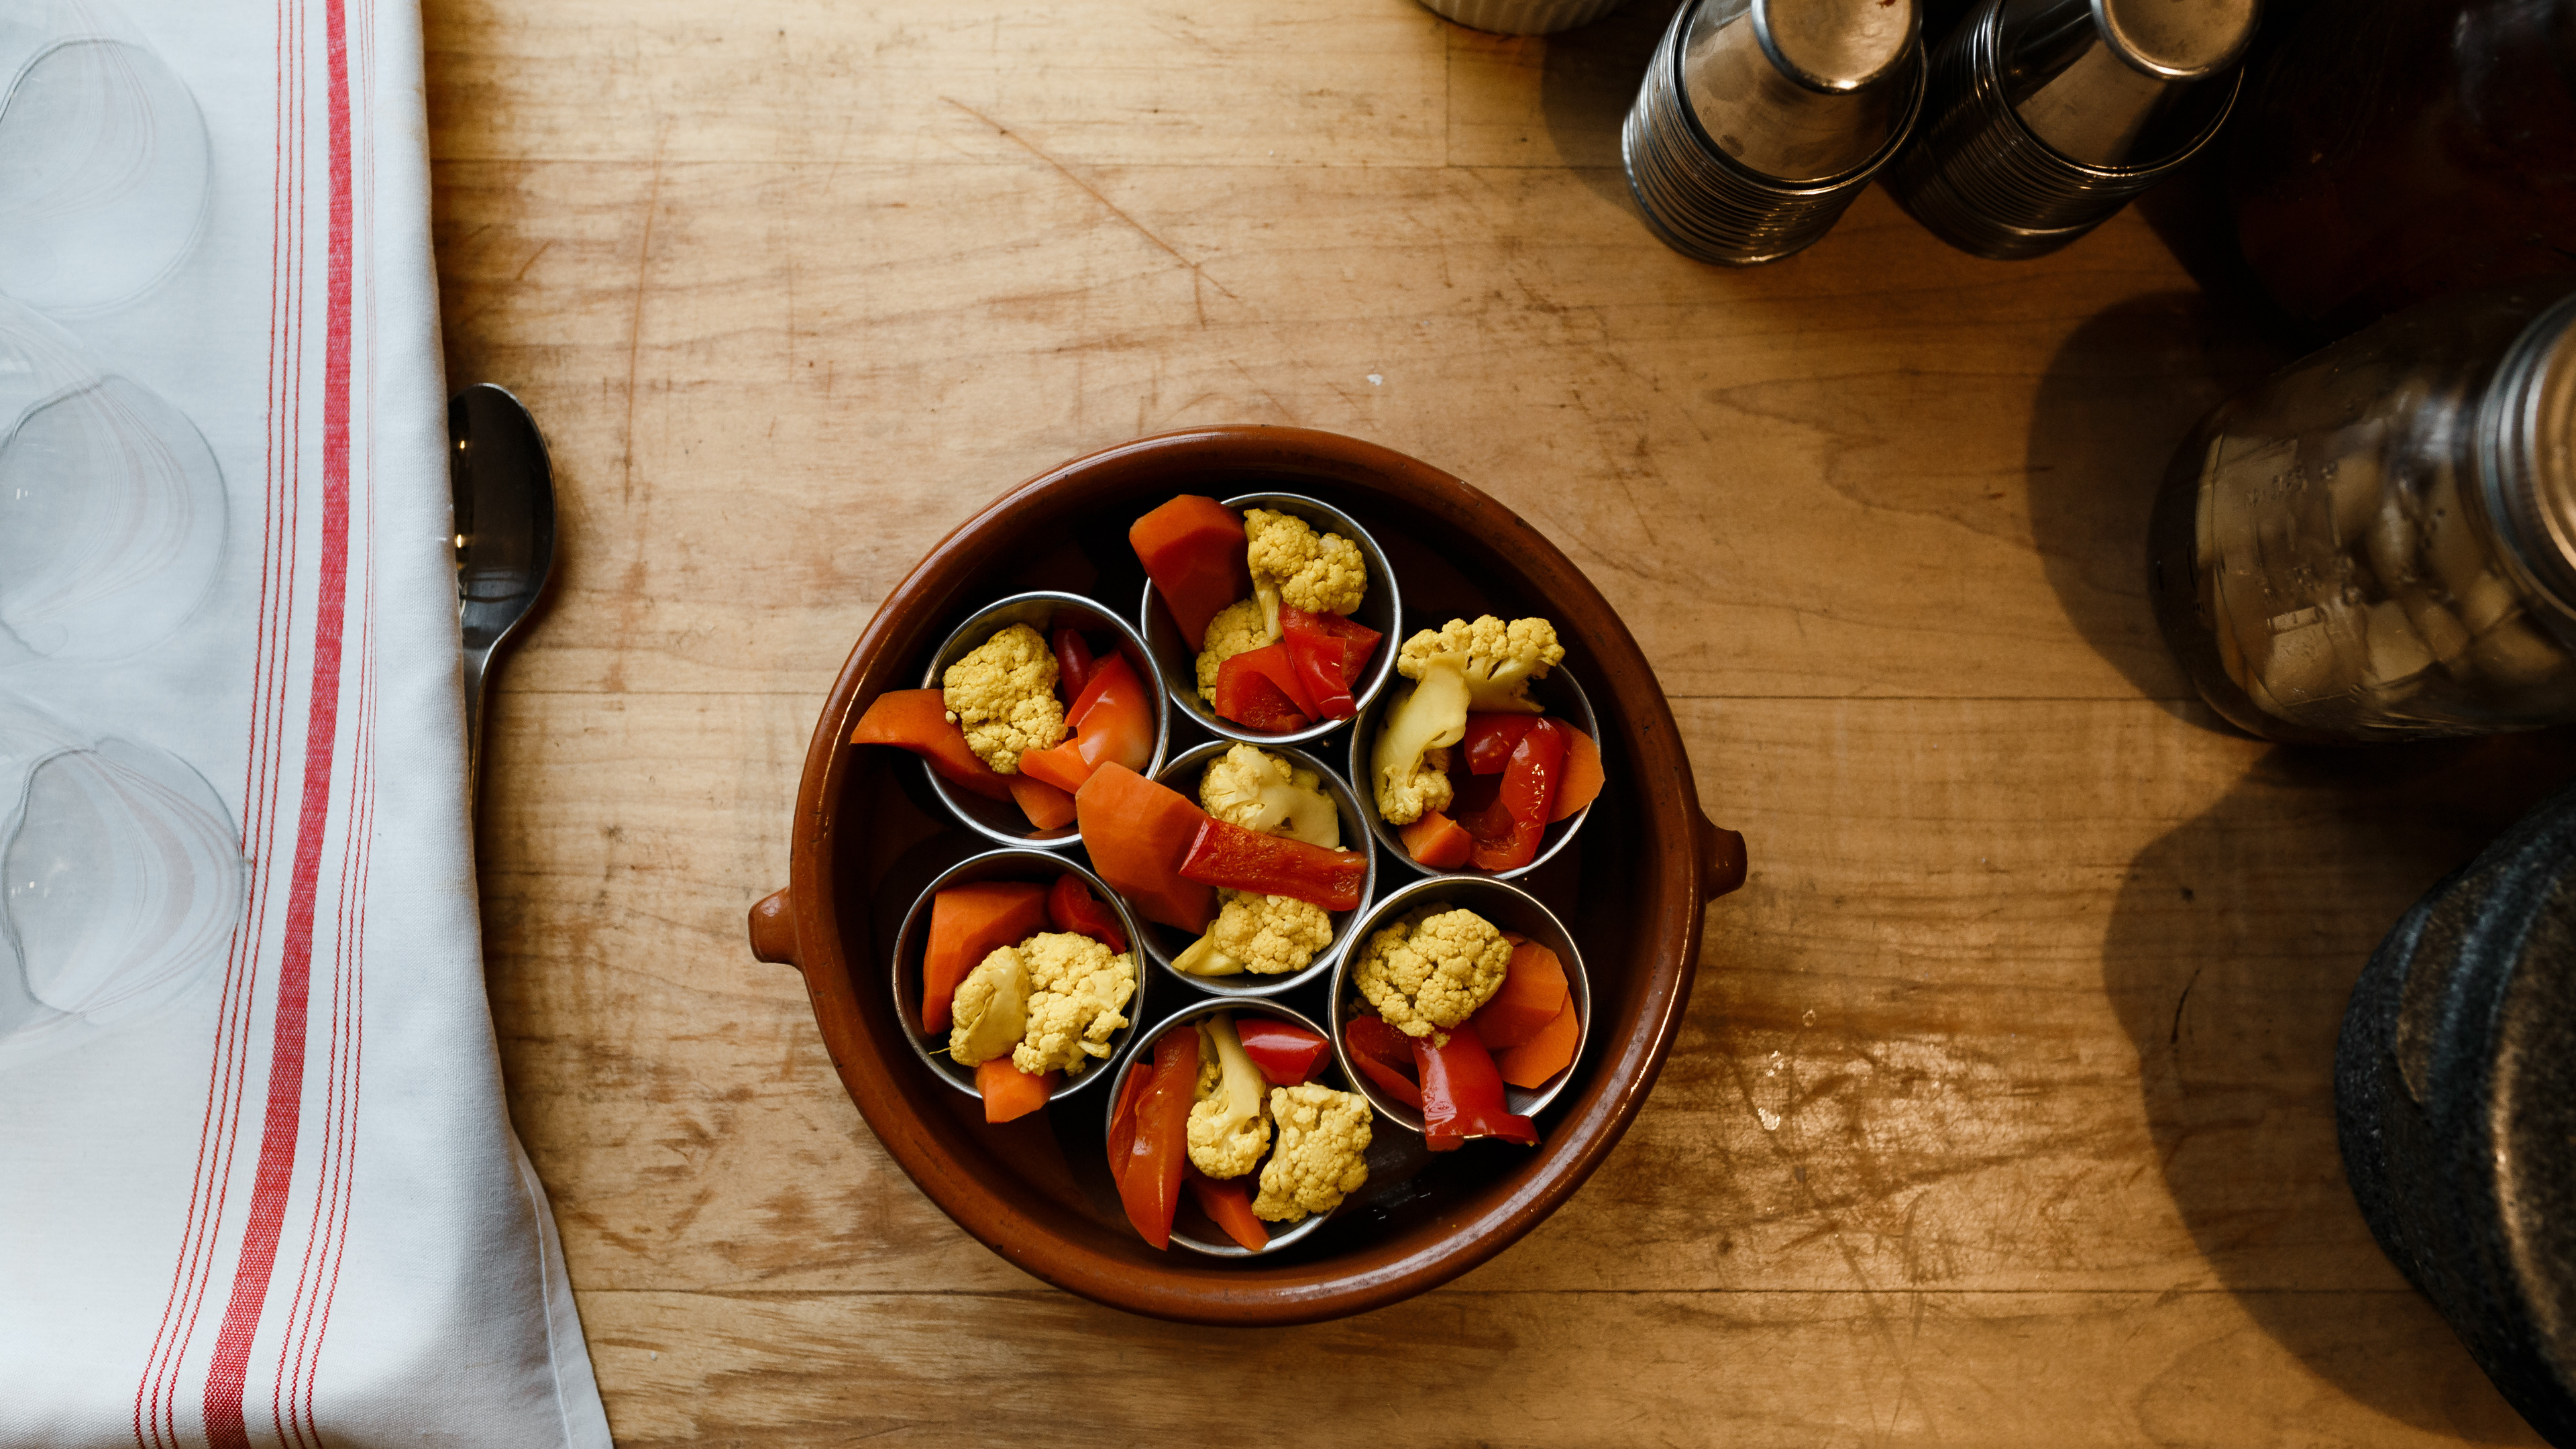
(966, 923)
(1193, 549)
(1009, 1092)
(917, 720)
(1534, 993)
(1543, 1056)
(1138, 833)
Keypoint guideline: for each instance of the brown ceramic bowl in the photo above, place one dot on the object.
(866, 836)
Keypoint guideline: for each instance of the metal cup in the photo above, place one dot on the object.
(2046, 116)
(1760, 120)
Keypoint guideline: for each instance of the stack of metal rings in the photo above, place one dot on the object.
(1981, 177)
(1697, 193)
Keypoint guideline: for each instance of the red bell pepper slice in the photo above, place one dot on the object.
(1194, 549)
(1117, 725)
(1286, 1053)
(1491, 738)
(1149, 1186)
(1072, 662)
(1462, 1095)
(1229, 1207)
(1274, 865)
(1384, 1056)
(1095, 680)
(1250, 698)
(1263, 684)
(1122, 1123)
(917, 720)
(1327, 652)
(1507, 831)
(1072, 907)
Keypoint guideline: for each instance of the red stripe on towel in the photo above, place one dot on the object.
(290, 1038)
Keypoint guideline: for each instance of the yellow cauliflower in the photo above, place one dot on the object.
(1411, 781)
(991, 1008)
(1228, 1129)
(1322, 1155)
(1251, 787)
(1433, 969)
(1291, 563)
(1266, 935)
(1076, 986)
(1003, 696)
(1236, 629)
(1499, 659)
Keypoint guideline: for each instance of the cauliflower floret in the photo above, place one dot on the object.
(1410, 762)
(1500, 659)
(1291, 563)
(1322, 1155)
(1228, 1128)
(1236, 629)
(1266, 935)
(1408, 787)
(1253, 788)
(1433, 969)
(1076, 985)
(1003, 696)
(991, 1008)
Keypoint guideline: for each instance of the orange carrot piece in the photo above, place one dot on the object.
(1008, 1092)
(1437, 841)
(1193, 548)
(966, 923)
(1230, 1208)
(917, 720)
(1534, 993)
(1530, 1064)
(1138, 833)
(1582, 776)
(1046, 806)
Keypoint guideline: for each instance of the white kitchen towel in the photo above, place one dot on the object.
(257, 1180)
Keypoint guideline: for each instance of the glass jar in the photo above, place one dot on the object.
(2380, 542)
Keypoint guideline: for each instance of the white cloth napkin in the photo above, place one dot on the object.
(257, 1182)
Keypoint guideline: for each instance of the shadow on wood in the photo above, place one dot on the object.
(1591, 75)
(2229, 958)
(2115, 400)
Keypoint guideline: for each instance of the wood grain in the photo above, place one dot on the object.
(2001, 1115)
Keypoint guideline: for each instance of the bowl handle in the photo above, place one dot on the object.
(1721, 853)
(773, 928)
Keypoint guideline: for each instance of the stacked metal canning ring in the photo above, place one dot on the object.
(1759, 121)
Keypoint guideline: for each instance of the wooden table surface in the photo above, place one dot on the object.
(2001, 1115)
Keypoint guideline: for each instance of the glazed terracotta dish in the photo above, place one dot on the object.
(870, 835)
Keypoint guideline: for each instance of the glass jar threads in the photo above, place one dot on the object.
(2380, 541)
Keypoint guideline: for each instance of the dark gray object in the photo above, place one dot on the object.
(2455, 1098)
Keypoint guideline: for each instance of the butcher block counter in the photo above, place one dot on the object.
(2002, 1111)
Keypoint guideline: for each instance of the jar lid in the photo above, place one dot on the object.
(2527, 454)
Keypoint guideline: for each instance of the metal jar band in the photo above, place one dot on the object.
(1705, 204)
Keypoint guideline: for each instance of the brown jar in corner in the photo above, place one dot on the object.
(2394, 150)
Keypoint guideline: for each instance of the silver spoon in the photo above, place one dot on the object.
(505, 531)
